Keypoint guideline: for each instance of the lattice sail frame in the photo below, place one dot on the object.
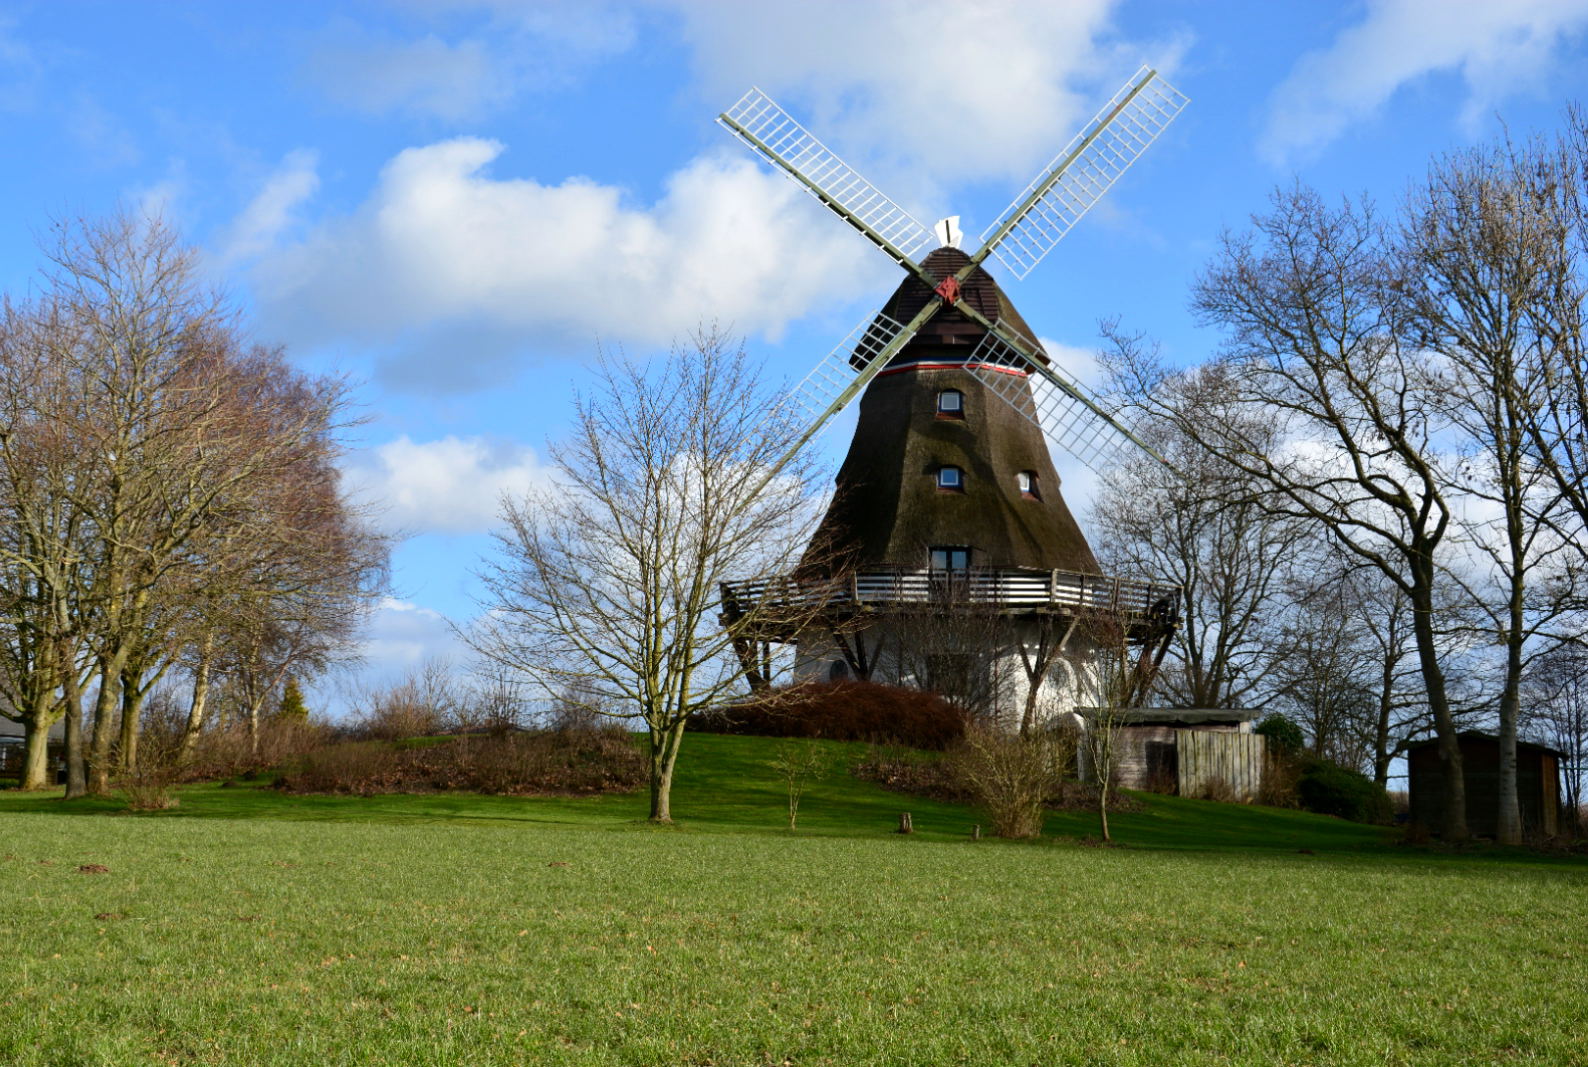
(773, 134)
(1079, 176)
(1020, 238)
(821, 393)
(1066, 413)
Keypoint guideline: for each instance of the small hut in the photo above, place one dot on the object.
(1537, 785)
(1189, 751)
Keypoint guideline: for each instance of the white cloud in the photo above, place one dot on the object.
(1080, 364)
(400, 637)
(450, 485)
(441, 244)
(1499, 49)
(273, 209)
(963, 91)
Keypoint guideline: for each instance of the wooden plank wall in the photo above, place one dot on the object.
(1236, 759)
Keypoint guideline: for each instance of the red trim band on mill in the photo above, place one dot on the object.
(923, 365)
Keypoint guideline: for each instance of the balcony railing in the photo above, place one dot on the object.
(884, 589)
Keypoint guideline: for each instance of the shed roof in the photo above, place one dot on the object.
(1479, 735)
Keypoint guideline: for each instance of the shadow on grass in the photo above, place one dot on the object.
(726, 785)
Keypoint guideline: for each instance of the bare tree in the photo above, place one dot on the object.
(1558, 426)
(1556, 692)
(1122, 675)
(204, 459)
(1189, 522)
(1317, 345)
(607, 582)
(149, 462)
(1485, 248)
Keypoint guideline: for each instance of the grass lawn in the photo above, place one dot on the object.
(246, 927)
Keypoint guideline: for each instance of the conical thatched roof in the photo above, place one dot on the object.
(889, 508)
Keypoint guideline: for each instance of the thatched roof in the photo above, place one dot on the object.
(889, 510)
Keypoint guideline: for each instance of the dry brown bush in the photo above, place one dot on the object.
(229, 752)
(557, 762)
(907, 770)
(148, 788)
(844, 711)
(1280, 775)
(1011, 777)
(1217, 789)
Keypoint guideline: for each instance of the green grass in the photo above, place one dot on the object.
(246, 927)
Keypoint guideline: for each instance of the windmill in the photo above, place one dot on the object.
(948, 488)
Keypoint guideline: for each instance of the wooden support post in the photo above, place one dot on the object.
(905, 825)
(975, 832)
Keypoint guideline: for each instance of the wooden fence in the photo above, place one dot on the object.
(882, 587)
(1235, 759)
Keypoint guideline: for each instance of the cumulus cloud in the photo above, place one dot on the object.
(402, 636)
(1498, 49)
(450, 485)
(442, 242)
(962, 91)
(273, 209)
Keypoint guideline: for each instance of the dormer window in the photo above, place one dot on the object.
(1027, 481)
(951, 479)
(950, 404)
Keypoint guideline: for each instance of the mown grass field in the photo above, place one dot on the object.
(247, 927)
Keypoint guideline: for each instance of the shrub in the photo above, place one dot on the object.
(844, 711)
(558, 762)
(1280, 773)
(1219, 790)
(1011, 777)
(228, 751)
(907, 770)
(292, 708)
(1329, 789)
(148, 788)
(1284, 736)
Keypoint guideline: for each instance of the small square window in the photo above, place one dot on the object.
(950, 559)
(950, 478)
(1027, 481)
(951, 404)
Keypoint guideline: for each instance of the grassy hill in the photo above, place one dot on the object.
(250, 927)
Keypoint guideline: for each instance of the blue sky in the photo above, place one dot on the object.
(454, 203)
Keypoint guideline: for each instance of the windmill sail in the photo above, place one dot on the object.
(758, 121)
(1080, 175)
(843, 372)
(1061, 408)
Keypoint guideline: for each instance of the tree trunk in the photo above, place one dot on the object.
(76, 772)
(131, 714)
(1381, 727)
(1455, 798)
(105, 704)
(664, 756)
(1508, 824)
(35, 755)
(40, 716)
(195, 709)
(1102, 806)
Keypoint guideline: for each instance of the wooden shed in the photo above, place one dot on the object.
(1190, 751)
(1537, 785)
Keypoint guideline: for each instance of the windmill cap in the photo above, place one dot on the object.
(949, 333)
